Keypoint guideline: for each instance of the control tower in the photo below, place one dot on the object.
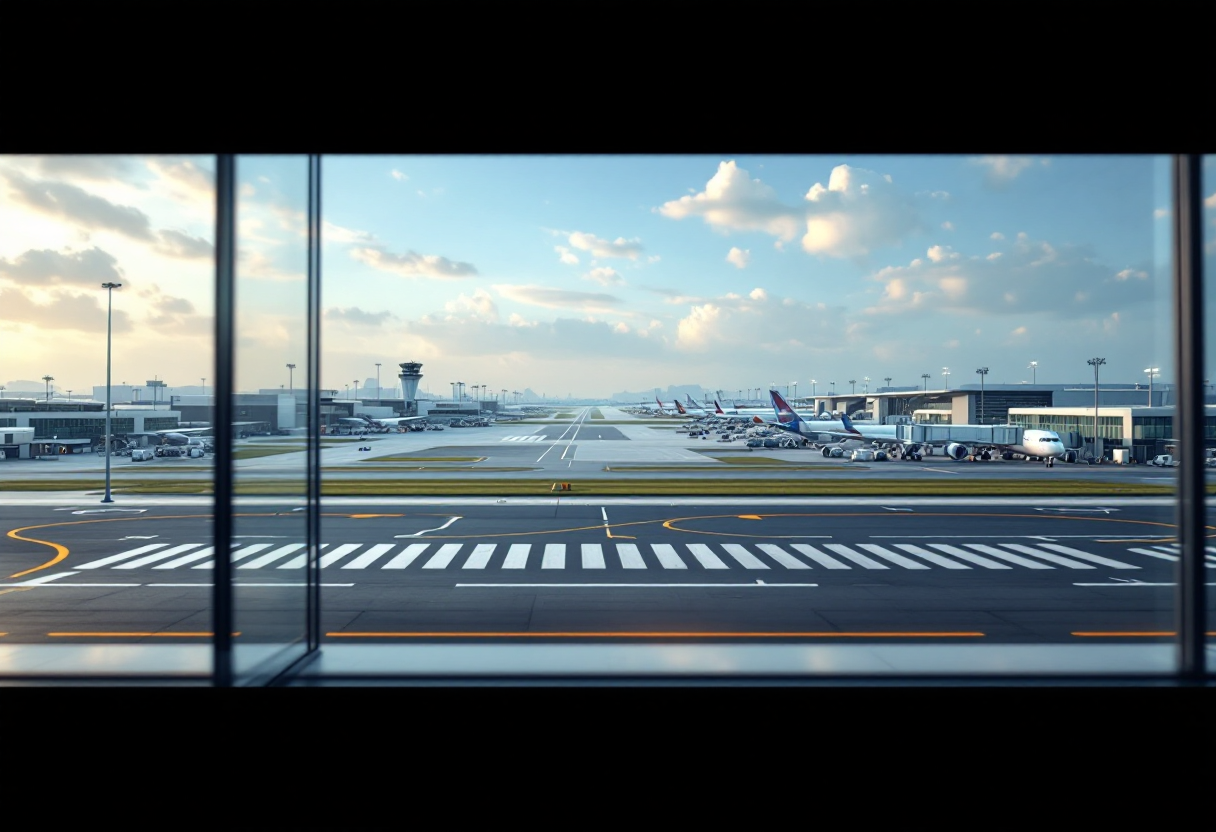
(410, 375)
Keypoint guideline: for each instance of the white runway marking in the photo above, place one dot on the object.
(451, 520)
(630, 586)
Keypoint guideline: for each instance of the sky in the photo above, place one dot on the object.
(592, 275)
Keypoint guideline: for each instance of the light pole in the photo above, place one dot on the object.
(853, 382)
(48, 380)
(946, 377)
(1096, 363)
(203, 384)
(982, 371)
(795, 388)
(109, 287)
(70, 397)
(887, 379)
(925, 376)
(832, 391)
(356, 383)
(1152, 371)
(377, 382)
(291, 385)
(813, 382)
(1034, 367)
(866, 387)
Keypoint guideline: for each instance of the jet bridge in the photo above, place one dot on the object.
(963, 434)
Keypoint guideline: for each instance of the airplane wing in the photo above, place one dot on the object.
(400, 420)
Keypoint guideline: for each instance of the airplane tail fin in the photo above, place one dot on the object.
(680, 408)
(718, 408)
(786, 415)
(848, 424)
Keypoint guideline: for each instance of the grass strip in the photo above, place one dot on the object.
(425, 459)
(596, 414)
(536, 486)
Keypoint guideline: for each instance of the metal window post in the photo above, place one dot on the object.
(225, 333)
(1189, 413)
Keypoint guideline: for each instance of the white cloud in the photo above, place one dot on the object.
(739, 257)
(1033, 277)
(599, 247)
(398, 175)
(358, 317)
(550, 298)
(604, 276)
(1001, 170)
(857, 211)
(760, 294)
(332, 233)
(479, 306)
(996, 235)
(412, 264)
(566, 255)
(733, 201)
(939, 253)
(40, 268)
(948, 226)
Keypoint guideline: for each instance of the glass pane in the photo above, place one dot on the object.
(94, 527)
(1000, 327)
(269, 546)
(1209, 369)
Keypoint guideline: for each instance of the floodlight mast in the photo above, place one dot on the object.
(109, 287)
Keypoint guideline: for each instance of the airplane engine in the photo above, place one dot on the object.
(1070, 456)
(1007, 456)
(956, 451)
(827, 450)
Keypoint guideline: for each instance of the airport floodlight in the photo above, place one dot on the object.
(48, 379)
(1096, 363)
(982, 371)
(887, 379)
(946, 377)
(1152, 371)
(853, 382)
(866, 386)
(109, 287)
(356, 388)
(1034, 366)
(290, 382)
(69, 395)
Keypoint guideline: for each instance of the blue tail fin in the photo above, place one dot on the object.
(848, 424)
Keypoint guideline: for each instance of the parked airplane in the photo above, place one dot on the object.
(1035, 444)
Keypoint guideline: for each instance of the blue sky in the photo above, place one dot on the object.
(589, 275)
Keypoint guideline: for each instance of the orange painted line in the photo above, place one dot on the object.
(1147, 634)
(133, 635)
(648, 635)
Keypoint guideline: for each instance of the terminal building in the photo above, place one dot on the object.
(1129, 416)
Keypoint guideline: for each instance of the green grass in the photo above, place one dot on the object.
(424, 459)
(535, 486)
(754, 460)
(255, 452)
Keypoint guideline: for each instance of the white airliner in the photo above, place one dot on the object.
(1035, 444)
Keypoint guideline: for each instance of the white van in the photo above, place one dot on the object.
(140, 454)
(862, 455)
